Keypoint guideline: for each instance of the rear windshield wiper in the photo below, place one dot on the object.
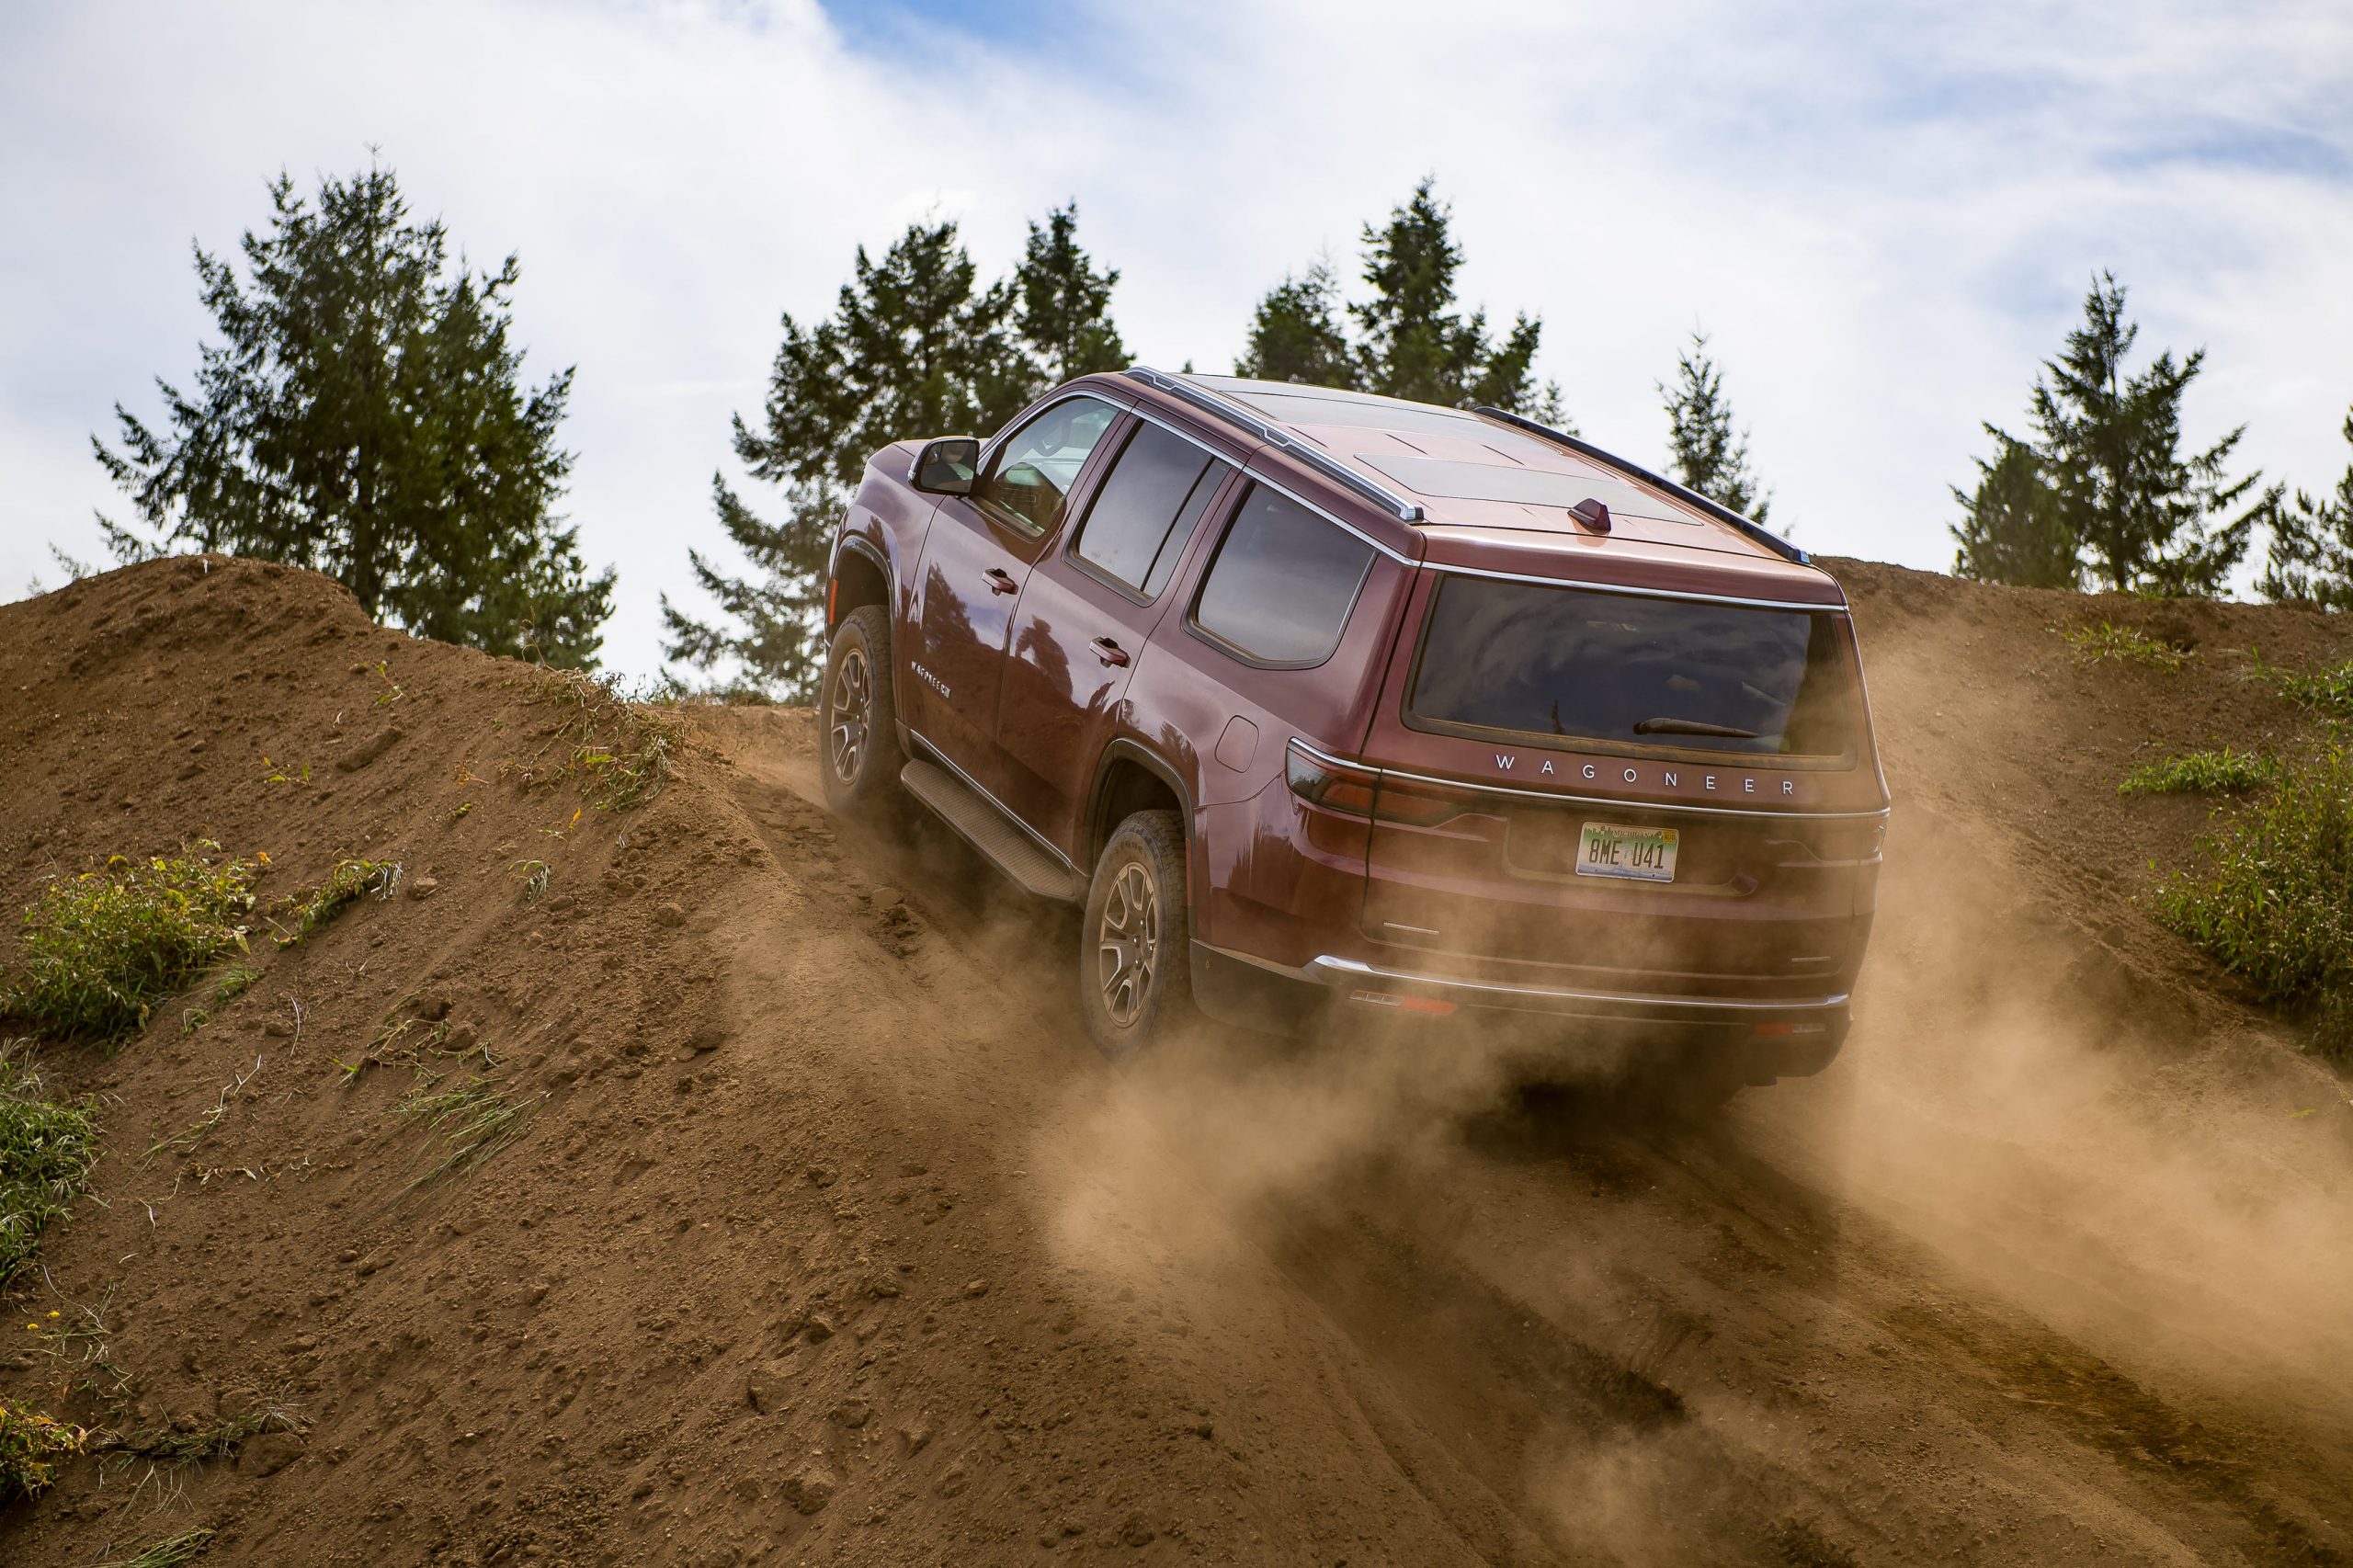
(1691, 727)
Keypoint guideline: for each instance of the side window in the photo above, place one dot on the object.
(1145, 509)
(1035, 467)
(1283, 582)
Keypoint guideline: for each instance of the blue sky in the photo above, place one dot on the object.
(1885, 217)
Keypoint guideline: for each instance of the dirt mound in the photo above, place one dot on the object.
(826, 1239)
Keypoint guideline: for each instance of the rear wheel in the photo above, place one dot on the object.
(858, 728)
(1135, 943)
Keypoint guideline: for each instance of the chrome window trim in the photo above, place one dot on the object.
(1009, 814)
(1343, 969)
(1565, 798)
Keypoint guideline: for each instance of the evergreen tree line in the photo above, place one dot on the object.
(2099, 493)
(364, 415)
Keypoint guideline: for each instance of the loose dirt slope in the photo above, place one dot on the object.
(828, 1240)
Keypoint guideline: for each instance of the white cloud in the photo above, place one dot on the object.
(1885, 216)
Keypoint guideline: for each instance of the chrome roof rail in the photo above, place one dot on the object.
(1275, 436)
(1752, 529)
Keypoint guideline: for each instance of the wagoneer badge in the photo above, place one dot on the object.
(1669, 778)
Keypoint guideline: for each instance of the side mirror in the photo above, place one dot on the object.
(945, 467)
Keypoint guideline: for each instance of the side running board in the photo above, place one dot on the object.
(986, 827)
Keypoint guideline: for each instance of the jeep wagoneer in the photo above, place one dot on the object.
(1315, 699)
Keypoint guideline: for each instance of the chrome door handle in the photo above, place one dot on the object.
(1110, 653)
(1001, 581)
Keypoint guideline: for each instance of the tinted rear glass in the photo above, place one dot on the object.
(1531, 660)
(1131, 533)
(1284, 579)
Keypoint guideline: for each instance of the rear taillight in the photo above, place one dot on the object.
(1418, 804)
(1361, 792)
(1333, 785)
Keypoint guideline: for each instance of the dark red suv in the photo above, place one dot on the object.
(1318, 699)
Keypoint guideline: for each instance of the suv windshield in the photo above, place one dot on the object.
(1533, 661)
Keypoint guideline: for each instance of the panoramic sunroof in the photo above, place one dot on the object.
(1525, 486)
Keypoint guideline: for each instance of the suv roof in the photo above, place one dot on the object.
(1487, 479)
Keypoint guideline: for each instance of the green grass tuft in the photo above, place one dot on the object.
(2108, 640)
(2224, 772)
(46, 1153)
(350, 881)
(2328, 692)
(474, 1117)
(2275, 905)
(101, 949)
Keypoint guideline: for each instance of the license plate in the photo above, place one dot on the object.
(1609, 850)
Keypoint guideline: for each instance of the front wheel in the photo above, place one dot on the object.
(857, 723)
(1135, 982)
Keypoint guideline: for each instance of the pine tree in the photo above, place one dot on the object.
(1063, 310)
(363, 417)
(2312, 547)
(916, 347)
(1296, 336)
(1412, 341)
(2144, 518)
(769, 631)
(2012, 532)
(1704, 452)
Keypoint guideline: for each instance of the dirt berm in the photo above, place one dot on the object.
(826, 1239)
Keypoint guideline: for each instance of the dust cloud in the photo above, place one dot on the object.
(2035, 1181)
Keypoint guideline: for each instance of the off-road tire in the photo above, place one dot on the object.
(858, 757)
(1137, 913)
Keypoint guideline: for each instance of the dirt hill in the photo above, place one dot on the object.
(825, 1237)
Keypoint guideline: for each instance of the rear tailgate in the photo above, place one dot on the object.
(1537, 823)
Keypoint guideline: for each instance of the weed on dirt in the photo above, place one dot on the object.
(2224, 772)
(475, 1119)
(624, 752)
(2110, 641)
(172, 1445)
(350, 881)
(2328, 691)
(30, 1446)
(2276, 906)
(185, 1547)
(46, 1153)
(102, 948)
(533, 875)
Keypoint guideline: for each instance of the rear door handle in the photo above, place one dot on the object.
(1110, 653)
(1001, 581)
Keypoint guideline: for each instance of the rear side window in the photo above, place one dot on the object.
(1283, 582)
(1537, 661)
(1145, 510)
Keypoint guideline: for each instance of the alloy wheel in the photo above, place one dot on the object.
(1128, 945)
(852, 714)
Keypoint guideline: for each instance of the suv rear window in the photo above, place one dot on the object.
(1534, 661)
(1283, 582)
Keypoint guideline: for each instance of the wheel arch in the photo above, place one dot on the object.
(861, 575)
(1129, 778)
